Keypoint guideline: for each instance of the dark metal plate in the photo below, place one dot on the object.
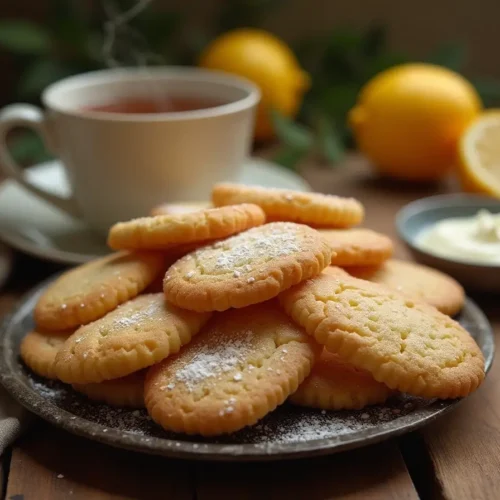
(288, 432)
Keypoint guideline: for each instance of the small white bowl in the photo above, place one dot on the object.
(420, 215)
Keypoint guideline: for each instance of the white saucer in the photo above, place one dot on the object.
(35, 227)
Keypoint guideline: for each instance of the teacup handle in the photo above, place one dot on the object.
(26, 115)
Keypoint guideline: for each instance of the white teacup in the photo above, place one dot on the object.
(120, 165)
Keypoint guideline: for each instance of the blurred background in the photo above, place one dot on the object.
(340, 45)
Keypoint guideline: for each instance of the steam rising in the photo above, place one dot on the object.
(123, 45)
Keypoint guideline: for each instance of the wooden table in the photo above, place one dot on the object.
(457, 457)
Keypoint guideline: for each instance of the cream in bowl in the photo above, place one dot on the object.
(458, 234)
(470, 239)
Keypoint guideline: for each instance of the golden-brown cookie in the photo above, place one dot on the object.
(90, 291)
(422, 282)
(180, 208)
(125, 391)
(136, 335)
(334, 384)
(251, 267)
(39, 349)
(406, 344)
(285, 205)
(358, 247)
(243, 365)
(167, 231)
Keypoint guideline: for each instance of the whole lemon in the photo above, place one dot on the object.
(269, 63)
(408, 120)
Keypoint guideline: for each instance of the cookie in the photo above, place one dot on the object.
(90, 291)
(358, 247)
(125, 391)
(180, 208)
(243, 365)
(294, 206)
(39, 349)
(408, 345)
(251, 267)
(336, 385)
(167, 231)
(422, 282)
(137, 334)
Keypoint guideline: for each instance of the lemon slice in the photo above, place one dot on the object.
(479, 155)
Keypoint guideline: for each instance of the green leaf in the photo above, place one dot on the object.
(38, 75)
(27, 147)
(343, 57)
(70, 29)
(23, 37)
(292, 134)
(374, 40)
(339, 99)
(289, 157)
(450, 55)
(382, 62)
(159, 27)
(244, 13)
(489, 90)
(329, 141)
(309, 52)
(345, 39)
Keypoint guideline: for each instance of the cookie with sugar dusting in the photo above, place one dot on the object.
(406, 344)
(243, 365)
(122, 392)
(246, 269)
(168, 231)
(39, 349)
(314, 209)
(136, 335)
(88, 292)
(358, 247)
(422, 282)
(180, 208)
(334, 384)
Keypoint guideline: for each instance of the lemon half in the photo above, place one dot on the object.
(479, 153)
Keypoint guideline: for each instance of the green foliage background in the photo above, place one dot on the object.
(70, 41)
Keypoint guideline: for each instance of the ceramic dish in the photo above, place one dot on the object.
(420, 215)
(288, 432)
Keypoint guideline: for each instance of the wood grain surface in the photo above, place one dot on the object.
(457, 457)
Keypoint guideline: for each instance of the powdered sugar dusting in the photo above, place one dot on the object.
(215, 360)
(140, 315)
(287, 424)
(277, 240)
(315, 426)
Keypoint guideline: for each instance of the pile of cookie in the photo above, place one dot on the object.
(212, 315)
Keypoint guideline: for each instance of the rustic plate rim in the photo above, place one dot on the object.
(35, 403)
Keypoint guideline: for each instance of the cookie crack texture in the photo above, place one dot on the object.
(336, 385)
(136, 335)
(280, 204)
(168, 231)
(246, 269)
(405, 344)
(418, 281)
(102, 285)
(38, 350)
(244, 364)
